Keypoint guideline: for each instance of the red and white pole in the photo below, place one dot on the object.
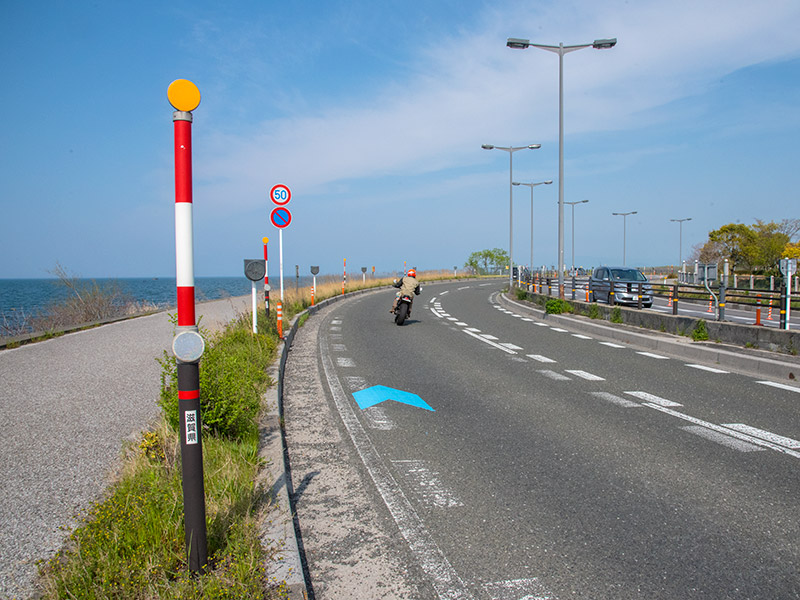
(344, 276)
(266, 276)
(188, 345)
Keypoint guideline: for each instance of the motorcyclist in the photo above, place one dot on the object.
(409, 284)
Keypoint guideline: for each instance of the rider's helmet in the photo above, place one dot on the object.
(411, 273)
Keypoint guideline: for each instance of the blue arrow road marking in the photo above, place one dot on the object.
(380, 393)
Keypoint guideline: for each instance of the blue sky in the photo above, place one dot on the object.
(374, 114)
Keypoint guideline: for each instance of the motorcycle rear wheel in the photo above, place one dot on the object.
(401, 313)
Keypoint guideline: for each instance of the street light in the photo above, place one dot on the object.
(572, 204)
(511, 150)
(532, 185)
(561, 50)
(624, 229)
(680, 238)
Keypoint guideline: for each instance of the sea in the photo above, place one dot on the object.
(33, 296)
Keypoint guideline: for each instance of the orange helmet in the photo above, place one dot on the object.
(411, 273)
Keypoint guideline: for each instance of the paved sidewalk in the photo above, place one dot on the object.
(67, 405)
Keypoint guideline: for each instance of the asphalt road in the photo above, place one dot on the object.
(67, 407)
(552, 465)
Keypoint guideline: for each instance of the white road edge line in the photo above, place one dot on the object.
(434, 563)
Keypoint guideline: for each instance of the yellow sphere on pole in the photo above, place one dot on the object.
(183, 95)
(265, 240)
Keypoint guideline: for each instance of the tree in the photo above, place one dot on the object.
(756, 248)
(487, 261)
(791, 250)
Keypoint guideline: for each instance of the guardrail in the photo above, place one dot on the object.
(767, 304)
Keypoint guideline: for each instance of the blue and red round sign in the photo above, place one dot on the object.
(280, 194)
(280, 217)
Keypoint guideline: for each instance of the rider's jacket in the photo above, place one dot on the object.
(408, 285)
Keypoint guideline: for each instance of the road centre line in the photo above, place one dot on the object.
(580, 336)
(721, 438)
(764, 435)
(647, 397)
(491, 343)
(434, 563)
(725, 430)
(558, 329)
(612, 345)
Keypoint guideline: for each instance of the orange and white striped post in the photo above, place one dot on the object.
(769, 312)
(279, 313)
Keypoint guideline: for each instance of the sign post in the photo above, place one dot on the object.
(254, 269)
(281, 218)
(266, 276)
(363, 275)
(314, 272)
(788, 268)
(188, 345)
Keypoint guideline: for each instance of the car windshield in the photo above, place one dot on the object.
(627, 275)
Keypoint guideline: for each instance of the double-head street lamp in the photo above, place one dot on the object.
(561, 50)
(511, 150)
(680, 238)
(572, 204)
(624, 229)
(532, 185)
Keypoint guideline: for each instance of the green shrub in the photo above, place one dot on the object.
(594, 311)
(233, 377)
(522, 294)
(616, 315)
(700, 333)
(556, 306)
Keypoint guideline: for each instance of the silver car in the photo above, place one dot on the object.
(626, 282)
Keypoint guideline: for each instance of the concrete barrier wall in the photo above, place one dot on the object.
(766, 338)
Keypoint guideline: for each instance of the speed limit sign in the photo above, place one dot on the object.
(280, 194)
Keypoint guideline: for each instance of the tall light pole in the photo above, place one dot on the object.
(511, 150)
(680, 238)
(572, 204)
(532, 185)
(624, 230)
(561, 50)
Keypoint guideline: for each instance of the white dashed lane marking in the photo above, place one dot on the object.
(585, 375)
(555, 376)
(651, 355)
(540, 358)
(705, 368)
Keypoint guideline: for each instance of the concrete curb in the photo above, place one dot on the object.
(752, 362)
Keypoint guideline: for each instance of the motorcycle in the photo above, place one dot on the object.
(403, 309)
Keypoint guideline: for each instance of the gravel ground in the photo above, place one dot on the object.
(67, 406)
